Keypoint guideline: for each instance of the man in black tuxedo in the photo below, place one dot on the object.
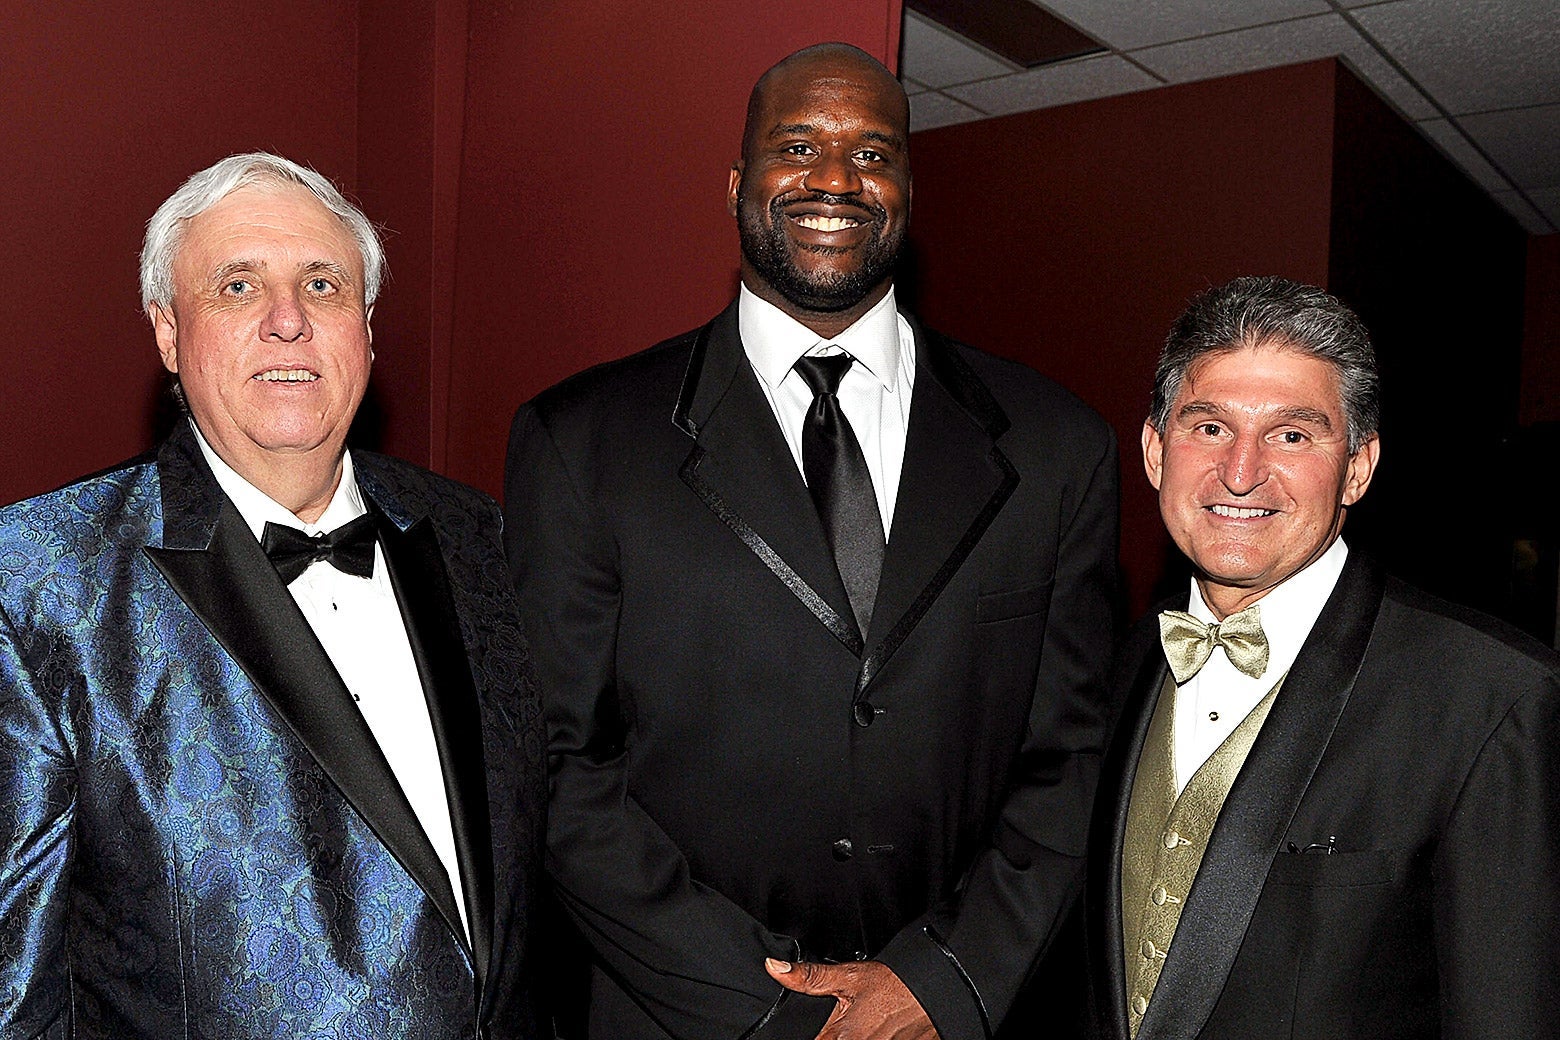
(1332, 805)
(820, 602)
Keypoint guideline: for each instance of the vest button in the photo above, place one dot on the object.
(1159, 895)
(1139, 1005)
(1149, 950)
(1172, 839)
(844, 850)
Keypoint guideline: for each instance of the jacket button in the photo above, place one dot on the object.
(844, 850)
(864, 713)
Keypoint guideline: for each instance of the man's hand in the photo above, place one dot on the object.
(872, 1003)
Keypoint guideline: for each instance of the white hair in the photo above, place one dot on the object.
(213, 184)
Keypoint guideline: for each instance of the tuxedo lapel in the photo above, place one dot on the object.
(742, 469)
(213, 562)
(955, 480)
(1261, 805)
(422, 589)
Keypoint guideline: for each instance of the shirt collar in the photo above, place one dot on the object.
(774, 340)
(257, 508)
(1290, 610)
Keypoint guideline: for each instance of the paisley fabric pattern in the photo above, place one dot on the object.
(173, 860)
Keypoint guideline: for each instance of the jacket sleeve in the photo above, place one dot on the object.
(690, 957)
(37, 813)
(1496, 900)
(967, 959)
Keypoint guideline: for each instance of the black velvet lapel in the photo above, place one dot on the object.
(954, 482)
(422, 589)
(743, 471)
(1117, 773)
(212, 560)
(1261, 804)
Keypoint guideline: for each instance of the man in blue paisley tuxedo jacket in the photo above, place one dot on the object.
(270, 763)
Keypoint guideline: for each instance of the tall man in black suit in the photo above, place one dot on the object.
(820, 604)
(270, 745)
(1332, 805)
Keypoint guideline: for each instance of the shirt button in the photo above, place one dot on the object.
(1159, 895)
(1139, 1005)
(844, 850)
(860, 955)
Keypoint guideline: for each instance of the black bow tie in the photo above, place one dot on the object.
(349, 548)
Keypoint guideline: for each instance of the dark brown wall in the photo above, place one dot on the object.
(104, 109)
(1540, 402)
(592, 223)
(1070, 237)
(1435, 269)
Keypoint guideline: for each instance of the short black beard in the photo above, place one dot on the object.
(768, 251)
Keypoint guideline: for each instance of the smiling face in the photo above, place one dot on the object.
(266, 330)
(822, 193)
(1254, 470)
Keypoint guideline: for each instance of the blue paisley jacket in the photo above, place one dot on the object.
(199, 836)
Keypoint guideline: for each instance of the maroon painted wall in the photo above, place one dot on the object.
(1069, 238)
(104, 109)
(592, 218)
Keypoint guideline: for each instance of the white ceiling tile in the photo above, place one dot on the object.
(1474, 55)
(1264, 47)
(1127, 24)
(1457, 148)
(931, 110)
(1548, 202)
(1532, 221)
(1524, 142)
(938, 58)
(1061, 84)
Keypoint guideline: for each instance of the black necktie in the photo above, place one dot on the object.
(841, 486)
(349, 548)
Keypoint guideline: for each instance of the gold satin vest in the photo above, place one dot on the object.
(1165, 839)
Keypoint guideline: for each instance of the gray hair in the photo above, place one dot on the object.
(1249, 312)
(213, 184)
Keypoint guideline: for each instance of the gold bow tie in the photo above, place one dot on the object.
(1189, 642)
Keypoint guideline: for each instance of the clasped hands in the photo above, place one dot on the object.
(870, 1001)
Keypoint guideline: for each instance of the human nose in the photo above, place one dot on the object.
(1243, 467)
(834, 174)
(286, 320)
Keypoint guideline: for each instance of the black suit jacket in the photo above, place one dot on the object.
(1422, 741)
(735, 773)
(200, 835)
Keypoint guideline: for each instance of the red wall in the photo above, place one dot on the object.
(104, 109)
(1069, 238)
(592, 224)
(550, 177)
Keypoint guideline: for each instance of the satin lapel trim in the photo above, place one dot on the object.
(954, 482)
(745, 474)
(1117, 775)
(1261, 804)
(236, 593)
(422, 590)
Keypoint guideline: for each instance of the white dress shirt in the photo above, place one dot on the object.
(1210, 704)
(875, 393)
(359, 623)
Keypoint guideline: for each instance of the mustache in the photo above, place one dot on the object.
(777, 205)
